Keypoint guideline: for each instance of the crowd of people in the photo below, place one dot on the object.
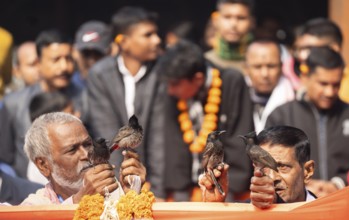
(64, 94)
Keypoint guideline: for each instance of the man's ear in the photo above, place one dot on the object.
(309, 167)
(44, 166)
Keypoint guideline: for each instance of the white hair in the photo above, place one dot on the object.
(37, 140)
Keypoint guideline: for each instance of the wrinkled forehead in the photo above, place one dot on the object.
(67, 133)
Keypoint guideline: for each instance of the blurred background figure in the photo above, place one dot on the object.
(25, 70)
(268, 87)
(92, 43)
(317, 32)
(56, 67)
(6, 41)
(209, 38)
(14, 190)
(233, 24)
(183, 30)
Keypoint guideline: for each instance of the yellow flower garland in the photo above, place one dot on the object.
(197, 142)
(90, 207)
(131, 205)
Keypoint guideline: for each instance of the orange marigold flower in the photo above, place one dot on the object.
(186, 125)
(136, 206)
(189, 136)
(90, 207)
(204, 133)
(182, 105)
(202, 140)
(214, 92)
(209, 125)
(183, 116)
(216, 82)
(215, 73)
(214, 99)
(211, 117)
(211, 108)
(195, 148)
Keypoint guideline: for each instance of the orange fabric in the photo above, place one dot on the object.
(335, 206)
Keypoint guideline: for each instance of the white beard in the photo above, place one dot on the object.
(60, 179)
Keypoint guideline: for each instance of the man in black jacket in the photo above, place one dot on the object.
(323, 117)
(202, 99)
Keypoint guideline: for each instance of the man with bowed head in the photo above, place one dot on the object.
(58, 144)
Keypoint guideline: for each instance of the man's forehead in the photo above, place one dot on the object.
(279, 150)
(259, 50)
(56, 47)
(67, 129)
(308, 40)
(141, 27)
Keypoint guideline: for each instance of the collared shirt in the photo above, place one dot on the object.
(309, 197)
(130, 84)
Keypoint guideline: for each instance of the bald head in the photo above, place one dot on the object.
(25, 63)
(263, 65)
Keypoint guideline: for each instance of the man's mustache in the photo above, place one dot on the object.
(85, 167)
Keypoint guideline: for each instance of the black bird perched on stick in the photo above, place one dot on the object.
(259, 157)
(213, 156)
(128, 137)
(100, 153)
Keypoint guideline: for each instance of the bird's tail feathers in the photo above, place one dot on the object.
(218, 186)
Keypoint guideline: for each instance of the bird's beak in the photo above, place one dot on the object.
(221, 132)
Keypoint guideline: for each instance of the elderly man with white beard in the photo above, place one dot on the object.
(58, 144)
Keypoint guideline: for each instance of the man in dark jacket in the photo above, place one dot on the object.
(323, 117)
(202, 99)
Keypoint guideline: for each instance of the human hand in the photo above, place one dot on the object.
(209, 191)
(96, 180)
(131, 166)
(262, 193)
(321, 188)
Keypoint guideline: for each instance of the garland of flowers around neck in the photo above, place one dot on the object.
(197, 142)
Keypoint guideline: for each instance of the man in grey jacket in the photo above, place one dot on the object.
(126, 84)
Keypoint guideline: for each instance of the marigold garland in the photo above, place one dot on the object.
(136, 206)
(197, 142)
(130, 206)
(90, 208)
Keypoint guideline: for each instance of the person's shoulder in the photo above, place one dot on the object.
(104, 65)
(232, 73)
(288, 106)
(37, 198)
(14, 99)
